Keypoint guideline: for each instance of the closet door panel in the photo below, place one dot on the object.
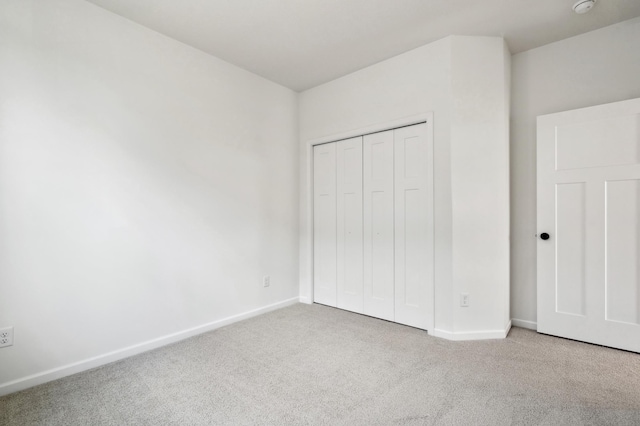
(349, 224)
(378, 225)
(413, 181)
(324, 224)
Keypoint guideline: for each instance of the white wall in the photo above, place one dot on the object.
(145, 187)
(480, 182)
(464, 82)
(598, 67)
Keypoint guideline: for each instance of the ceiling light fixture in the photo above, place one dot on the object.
(583, 6)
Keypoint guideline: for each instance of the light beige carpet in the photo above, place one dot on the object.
(318, 365)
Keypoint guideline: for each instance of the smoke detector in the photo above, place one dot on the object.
(583, 6)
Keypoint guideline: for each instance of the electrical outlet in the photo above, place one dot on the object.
(266, 281)
(6, 336)
(464, 300)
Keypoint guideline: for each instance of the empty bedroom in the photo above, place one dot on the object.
(305, 212)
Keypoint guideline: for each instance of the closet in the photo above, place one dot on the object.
(373, 225)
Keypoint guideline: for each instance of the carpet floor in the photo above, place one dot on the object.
(311, 364)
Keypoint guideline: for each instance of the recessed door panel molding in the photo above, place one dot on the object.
(413, 182)
(623, 250)
(349, 225)
(589, 205)
(570, 243)
(378, 225)
(607, 141)
(324, 224)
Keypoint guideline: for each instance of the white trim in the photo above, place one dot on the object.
(307, 300)
(373, 128)
(306, 246)
(531, 325)
(97, 361)
(472, 335)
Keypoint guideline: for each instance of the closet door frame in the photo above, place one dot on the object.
(306, 237)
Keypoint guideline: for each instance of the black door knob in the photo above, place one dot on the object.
(544, 236)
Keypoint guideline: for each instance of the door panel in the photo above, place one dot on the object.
(414, 272)
(588, 200)
(570, 248)
(623, 251)
(324, 224)
(609, 141)
(378, 225)
(349, 225)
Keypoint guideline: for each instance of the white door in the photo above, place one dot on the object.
(378, 225)
(349, 224)
(413, 194)
(589, 209)
(324, 224)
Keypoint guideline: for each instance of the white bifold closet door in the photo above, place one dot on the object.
(373, 225)
(349, 224)
(414, 256)
(338, 224)
(378, 225)
(324, 224)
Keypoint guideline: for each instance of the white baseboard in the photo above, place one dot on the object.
(531, 325)
(472, 335)
(97, 361)
(307, 300)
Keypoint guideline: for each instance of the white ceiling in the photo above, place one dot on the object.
(303, 43)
